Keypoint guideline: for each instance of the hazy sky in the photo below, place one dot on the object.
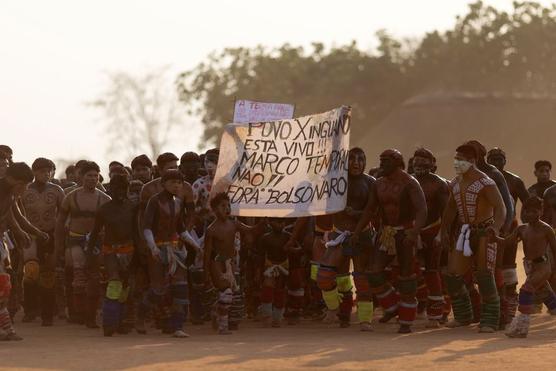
(53, 54)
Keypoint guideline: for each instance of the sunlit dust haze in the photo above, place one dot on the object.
(54, 55)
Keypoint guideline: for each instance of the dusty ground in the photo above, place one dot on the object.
(311, 345)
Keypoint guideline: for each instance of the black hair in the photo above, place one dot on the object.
(20, 171)
(189, 156)
(219, 197)
(172, 175)
(357, 150)
(542, 163)
(496, 151)
(121, 170)
(7, 151)
(468, 151)
(70, 170)
(479, 148)
(141, 160)
(425, 153)
(212, 153)
(115, 163)
(79, 164)
(119, 180)
(533, 202)
(164, 158)
(42, 163)
(89, 166)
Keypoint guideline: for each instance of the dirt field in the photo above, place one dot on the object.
(311, 345)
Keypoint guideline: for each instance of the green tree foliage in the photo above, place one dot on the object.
(487, 50)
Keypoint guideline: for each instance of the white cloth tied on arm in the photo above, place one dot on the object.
(338, 240)
(187, 238)
(4, 252)
(199, 256)
(149, 237)
(9, 243)
(463, 243)
(175, 258)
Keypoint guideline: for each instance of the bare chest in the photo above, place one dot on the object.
(390, 191)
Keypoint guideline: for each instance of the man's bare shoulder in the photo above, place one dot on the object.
(55, 187)
(437, 179)
(511, 176)
(103, 196)
(153, 184)
(150, 188)
(411, 181)
(380, 180)
(550, 191)
(369, 179)
(215, 229)
(187, 186)
(69, 192)
(187, 191)
(212, 226)
(71, 189)
(546, 227)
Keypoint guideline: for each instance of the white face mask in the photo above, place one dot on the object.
(211, 168)
(461, 166)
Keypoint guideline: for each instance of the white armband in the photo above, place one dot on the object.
(149, 237)
(187, 238)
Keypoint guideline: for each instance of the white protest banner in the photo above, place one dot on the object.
(246, 111)
(286, 168)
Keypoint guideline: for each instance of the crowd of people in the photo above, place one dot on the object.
(151, 248)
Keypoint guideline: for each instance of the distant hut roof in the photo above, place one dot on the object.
(523, 124)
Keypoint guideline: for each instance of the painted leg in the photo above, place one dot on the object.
(461, 303)
(407, 310)
(225, 299)
(510, 297)
(111, 307)
(364, 302)
(180, 305)
(278, 305)
(519, 327)
(343, 283)
(47, 291)
(326, 280)
(387, 297)
(490, 307)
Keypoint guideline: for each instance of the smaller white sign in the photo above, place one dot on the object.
(246, 111)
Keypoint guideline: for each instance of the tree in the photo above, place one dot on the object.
(140, 113)
(487, 50)
(315, 80)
